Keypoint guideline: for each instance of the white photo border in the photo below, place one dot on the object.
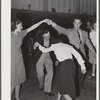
(6, 50)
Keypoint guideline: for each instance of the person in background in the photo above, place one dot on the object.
(77, 38)
(92, 58)
(18, 75)
(66, 72)
(89, 27)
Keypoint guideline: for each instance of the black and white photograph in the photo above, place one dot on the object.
(49, 50)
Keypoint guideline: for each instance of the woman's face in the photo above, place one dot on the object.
(19, 27)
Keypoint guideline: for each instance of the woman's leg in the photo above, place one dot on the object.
(67, 97)
(17, 92)
(59, 96)
(12, 90)
(93, 69)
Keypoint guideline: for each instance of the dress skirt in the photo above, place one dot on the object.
(66, 74)
(18, 75)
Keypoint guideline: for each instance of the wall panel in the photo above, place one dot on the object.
(63, 6)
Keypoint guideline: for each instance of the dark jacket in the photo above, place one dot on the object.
(37, 53)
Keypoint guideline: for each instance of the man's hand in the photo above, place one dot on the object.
(44, 21)
(56, 63)
(50, 22)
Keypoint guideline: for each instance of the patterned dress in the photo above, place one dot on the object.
(18, 75)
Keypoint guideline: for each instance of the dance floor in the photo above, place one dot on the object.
(30, 89)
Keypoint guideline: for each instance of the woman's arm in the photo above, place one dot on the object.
(79, 59)
(45, 50)
(35, 25)
(60, 29)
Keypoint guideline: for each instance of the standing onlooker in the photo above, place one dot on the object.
(92, 58)
(17, 66)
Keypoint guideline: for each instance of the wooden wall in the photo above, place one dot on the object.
(63, 6)
(31, 17)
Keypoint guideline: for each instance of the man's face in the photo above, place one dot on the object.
(77, 23)
(46, 36)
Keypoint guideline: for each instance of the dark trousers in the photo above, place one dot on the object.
(79, 78)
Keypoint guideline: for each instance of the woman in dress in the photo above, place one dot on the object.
(92, 58)
(66, 72)
(17, 66)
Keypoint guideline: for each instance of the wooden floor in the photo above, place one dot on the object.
(30, 89)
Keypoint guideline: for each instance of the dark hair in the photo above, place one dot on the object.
(59, 41)
(43, 29)
(14, 23)
(78, 18)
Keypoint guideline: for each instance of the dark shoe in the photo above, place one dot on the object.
(49, 94)
(82, 88)
(41, 89)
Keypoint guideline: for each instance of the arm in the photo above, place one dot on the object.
(45, 50)
(35, 25)
(79, 59)
(60, 29)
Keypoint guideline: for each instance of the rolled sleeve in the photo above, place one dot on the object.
(77, 56)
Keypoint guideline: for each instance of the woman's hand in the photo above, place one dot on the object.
(36, 44)
(49, 22)
(44, 21)
(83, 71)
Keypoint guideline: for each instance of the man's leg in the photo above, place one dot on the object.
(67, 97)
(49, 76)
(59, 96)
(40, 73)
(93, 67)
